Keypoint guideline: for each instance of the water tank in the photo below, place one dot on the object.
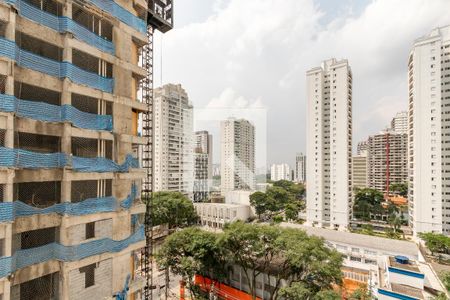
(402, 259)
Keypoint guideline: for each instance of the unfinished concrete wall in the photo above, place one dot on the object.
(77, 234)
(100, 290)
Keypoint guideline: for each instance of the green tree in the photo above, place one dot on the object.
(259, 201)
(361, 293)
(189, 252)
(283, 253)
(251, 247)
(399, 189)
(368, 201)
(437, 243)
(174, 209)
(283, 197)
(445, 278)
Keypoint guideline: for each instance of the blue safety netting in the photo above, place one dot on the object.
(113, 9)
(7, 48)
(101, 164)
(31, 160)
(54, 113)
(9, 211)
(55, 251)
(25, 159)
(55, 68)
(122, 295)
(121, 13)
(64, 24)
(126, 203)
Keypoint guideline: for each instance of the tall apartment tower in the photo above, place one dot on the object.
(280, 172)
(237, 161)
(69, 180)
(429, 133)
(202, 165)
(399, 123)
(387, 160)
(173, 140)
(300, 168)
(329, 144)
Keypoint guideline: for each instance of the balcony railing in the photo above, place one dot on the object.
(54, 113)
(54, 68)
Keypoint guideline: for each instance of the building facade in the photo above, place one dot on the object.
(202, 165)
(329, 144)
(387, 160)
(300, 168)
(173, 140)
(399, 123)
(280, 172)
(359, 171)
(237, 155)
(429, 132)
(69, 178)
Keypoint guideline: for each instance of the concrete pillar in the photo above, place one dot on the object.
(10, 31)
(63, 288)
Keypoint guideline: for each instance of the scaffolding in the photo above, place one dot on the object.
(159, 17)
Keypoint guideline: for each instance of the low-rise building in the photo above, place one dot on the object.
(402, 278)
(216, 215)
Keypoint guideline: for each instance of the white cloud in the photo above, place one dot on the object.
(230, 99)
(262, 48)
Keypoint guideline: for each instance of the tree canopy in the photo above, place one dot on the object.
(436, 242)
(174, 209)
(283, 197)
(399, 189)
(305, 262)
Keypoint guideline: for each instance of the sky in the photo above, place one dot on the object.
(252, 56)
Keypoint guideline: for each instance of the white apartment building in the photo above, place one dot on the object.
(300, 168)
(280, 172)
(329, 144)
(173, 140)
(237, 155)
(429, 132)
(202, 165)
(399, 123)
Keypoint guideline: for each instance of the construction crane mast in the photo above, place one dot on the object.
(159, 17)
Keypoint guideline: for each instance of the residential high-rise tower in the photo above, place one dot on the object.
(300, 168)
(329, 144)
(429, 132)
(280, 172)
(237, 141)
(202, 165)
(173, 140)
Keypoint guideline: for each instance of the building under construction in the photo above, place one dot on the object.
(73, 225)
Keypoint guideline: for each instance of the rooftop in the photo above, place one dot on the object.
(410, 266)
(407, 290)
(407, 248)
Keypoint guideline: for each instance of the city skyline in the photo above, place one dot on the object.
(264, 66)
